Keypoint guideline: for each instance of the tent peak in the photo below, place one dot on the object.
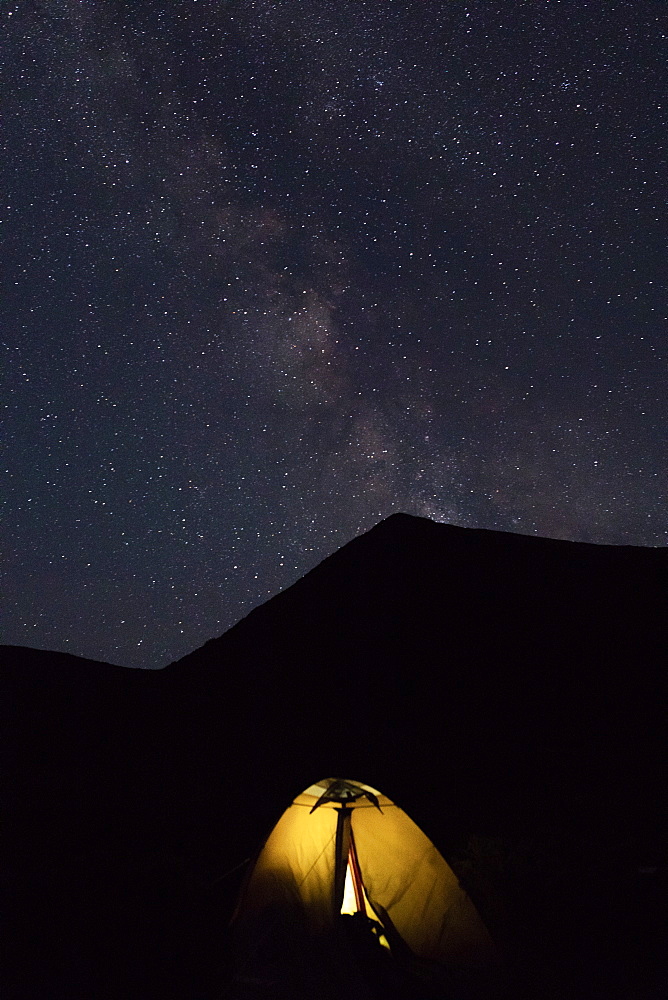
(346, 792)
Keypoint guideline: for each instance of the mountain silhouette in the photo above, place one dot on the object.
(507, 690)
(515, 664)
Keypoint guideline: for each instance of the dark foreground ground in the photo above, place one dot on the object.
(508, 692)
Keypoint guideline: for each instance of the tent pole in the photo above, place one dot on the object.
(358, 885)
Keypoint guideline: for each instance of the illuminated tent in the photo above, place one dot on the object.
(343, 848)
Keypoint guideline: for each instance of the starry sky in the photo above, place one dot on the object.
(273, 271)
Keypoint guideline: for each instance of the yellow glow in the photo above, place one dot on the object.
(349, 904)
(383, 940)
(402, 870)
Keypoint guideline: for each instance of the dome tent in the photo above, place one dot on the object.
(343, 848)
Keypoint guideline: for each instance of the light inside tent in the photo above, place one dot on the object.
(358, 902)
(349, 904)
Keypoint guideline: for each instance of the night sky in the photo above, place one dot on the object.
(275, 270)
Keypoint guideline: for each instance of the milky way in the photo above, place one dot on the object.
(273, 271)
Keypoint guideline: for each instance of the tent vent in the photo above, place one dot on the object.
(344, 792)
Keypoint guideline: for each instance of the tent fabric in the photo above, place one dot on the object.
(295, 870)
(407, 881)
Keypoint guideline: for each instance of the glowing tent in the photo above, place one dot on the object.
(344, 848)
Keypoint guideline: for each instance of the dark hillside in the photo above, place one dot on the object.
(518, 670)
(75, 769)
